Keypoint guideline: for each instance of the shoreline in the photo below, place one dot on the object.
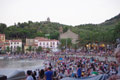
(101, 58)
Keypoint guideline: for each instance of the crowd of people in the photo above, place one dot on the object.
(71, 52)
(60, 67)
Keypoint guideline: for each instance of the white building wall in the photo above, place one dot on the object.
(47, 44)
(14, 45)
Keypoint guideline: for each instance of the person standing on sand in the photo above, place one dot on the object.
(41, 74)
(49, 74)
(79, 71)
(117, 55)
(29, 75)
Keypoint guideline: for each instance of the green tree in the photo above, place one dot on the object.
(18, 49)
(65, 43)
(75, 47)
(54, 35)
(65, 29)
(68, 43)
(2, 27)
(62, 44)
(48, 49)
(39, 49)
(117, 31)
(82, 40)
(40, 34)
(29, 48)
(8, 49)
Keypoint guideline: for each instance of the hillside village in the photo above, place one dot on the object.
(34, 36)
(17, 44)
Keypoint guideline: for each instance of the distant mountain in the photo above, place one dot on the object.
(112, 21)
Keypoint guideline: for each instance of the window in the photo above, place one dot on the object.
(53, 43)
(40, 43)
(50, 44)
(57, 43)
(43, 43)
(47, 43)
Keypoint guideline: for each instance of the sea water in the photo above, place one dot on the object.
(9, 67)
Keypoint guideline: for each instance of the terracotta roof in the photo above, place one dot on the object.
(1, 45)
(48, 40)
(16, 40)
(6, 40)
(54, 40)
(7, 44)
(1, 42)
(2, 34)
(44, 39)
(41, 38)
(31, 45)
(35, 45)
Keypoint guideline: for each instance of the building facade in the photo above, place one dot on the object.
(30, 43)
(35, 43)
(46, 43)
(40, 42)
(2, 37)
(14, 44)
(71, 35)
(2, 41)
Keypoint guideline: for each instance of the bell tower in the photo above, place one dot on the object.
(48, 19)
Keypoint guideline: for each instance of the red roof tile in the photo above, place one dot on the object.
(2, 34)
(16, 40)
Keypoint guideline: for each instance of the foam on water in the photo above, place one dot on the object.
(9, 67)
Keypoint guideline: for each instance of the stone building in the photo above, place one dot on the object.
(69, 34)
(48, 19)
(2, 37)
(30, 42)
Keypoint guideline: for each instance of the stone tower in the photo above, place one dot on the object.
(48, 19)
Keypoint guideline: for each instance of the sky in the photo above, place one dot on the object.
(69, 12)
